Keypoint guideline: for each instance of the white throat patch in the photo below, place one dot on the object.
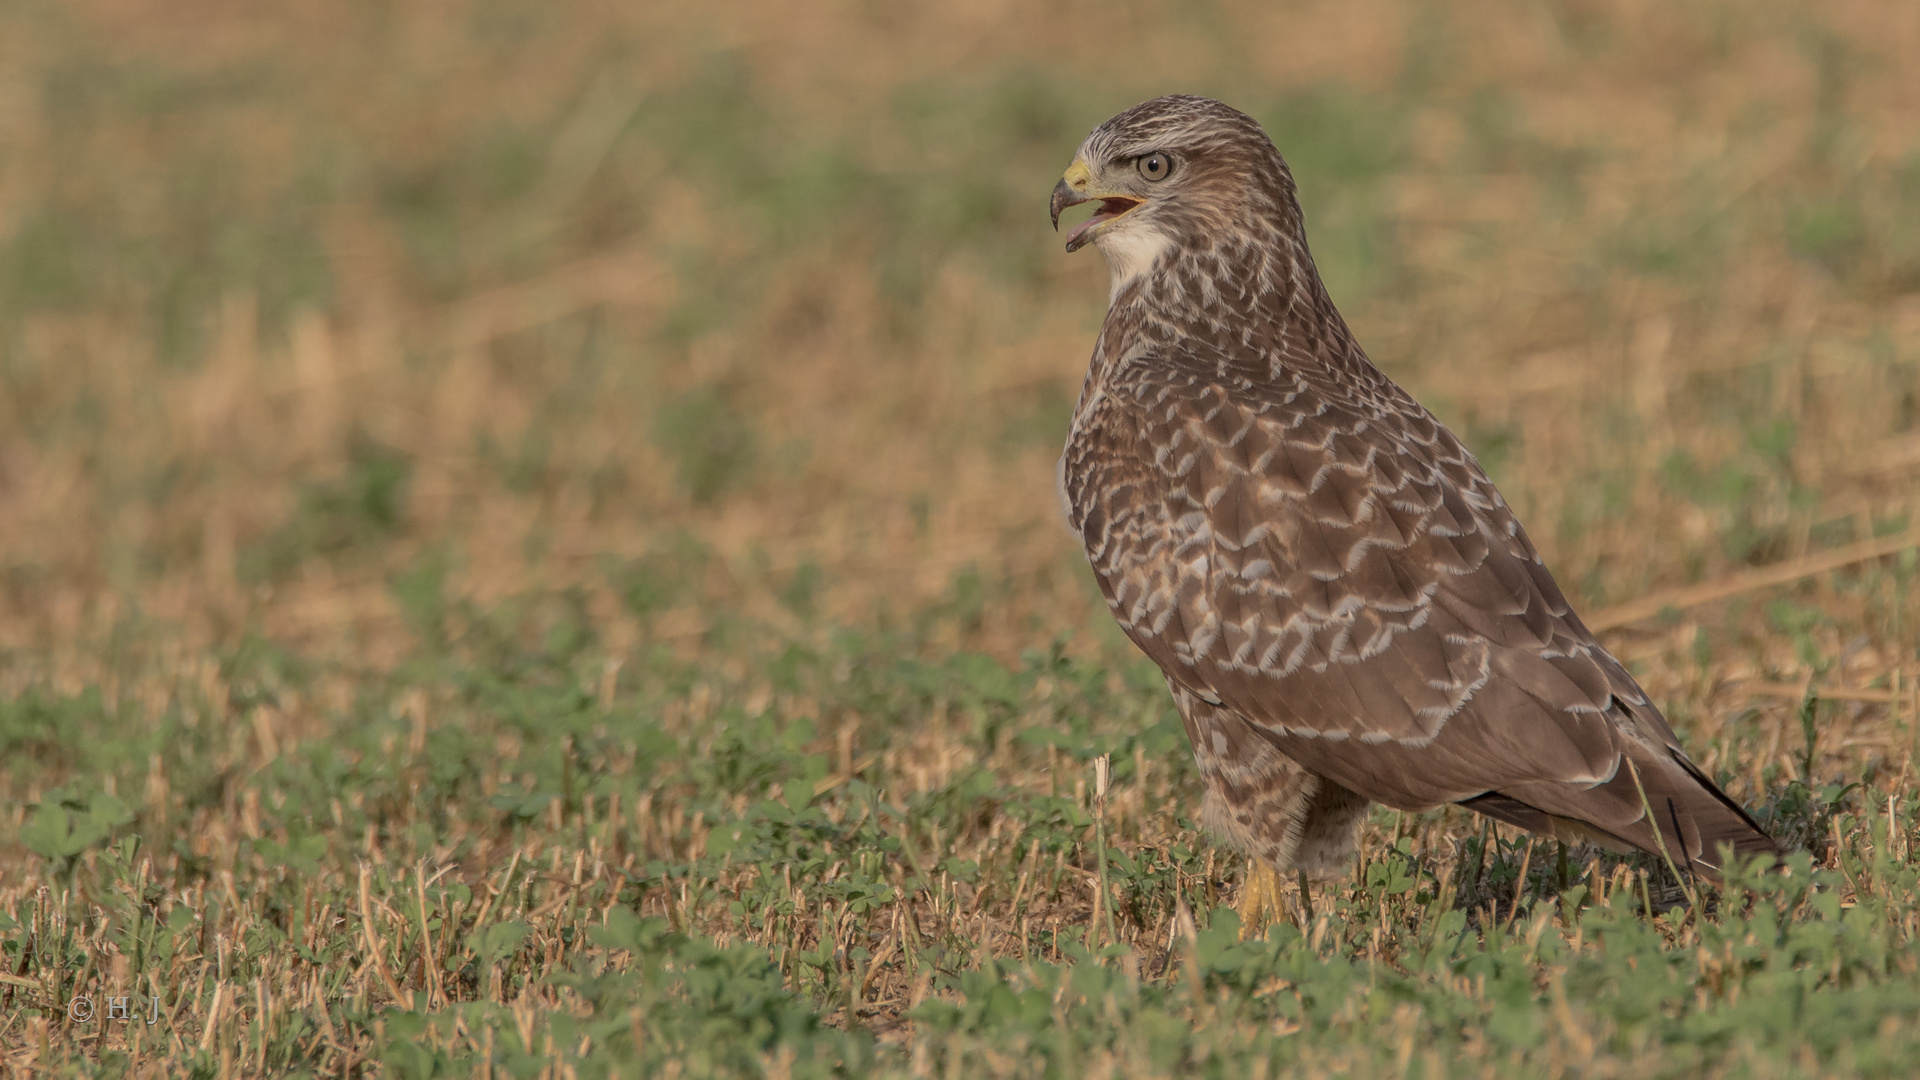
(1131, 251)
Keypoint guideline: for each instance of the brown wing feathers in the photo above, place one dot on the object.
(1328, 576)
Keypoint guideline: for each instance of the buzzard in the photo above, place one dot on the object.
(1345, 608)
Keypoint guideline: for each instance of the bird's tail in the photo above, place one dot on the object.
(1659, 803)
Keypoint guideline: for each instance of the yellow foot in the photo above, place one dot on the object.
(1259, 899)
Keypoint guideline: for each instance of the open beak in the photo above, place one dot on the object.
(1075, 188)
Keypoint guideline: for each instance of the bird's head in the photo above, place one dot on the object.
(1174, 172)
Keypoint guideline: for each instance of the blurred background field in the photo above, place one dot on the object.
(458, 460)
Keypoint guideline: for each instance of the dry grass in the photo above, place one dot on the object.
(455, 463)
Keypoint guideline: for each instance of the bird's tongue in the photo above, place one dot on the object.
(1109, 209)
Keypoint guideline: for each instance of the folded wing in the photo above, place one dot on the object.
(1315, 551)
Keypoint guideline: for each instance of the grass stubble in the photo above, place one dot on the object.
(527, 540)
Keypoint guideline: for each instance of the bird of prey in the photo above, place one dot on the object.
(1345, 608)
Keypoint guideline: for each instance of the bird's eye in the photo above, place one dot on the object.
(1154, 166)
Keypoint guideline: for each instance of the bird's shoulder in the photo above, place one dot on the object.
(1297, 435)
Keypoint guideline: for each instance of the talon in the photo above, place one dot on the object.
(1259, 899)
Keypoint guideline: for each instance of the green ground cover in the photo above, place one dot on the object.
(528, 543)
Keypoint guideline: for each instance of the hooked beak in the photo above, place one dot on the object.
(1075, 188)
(1064, 196)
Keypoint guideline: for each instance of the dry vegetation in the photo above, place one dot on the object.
(528, 541)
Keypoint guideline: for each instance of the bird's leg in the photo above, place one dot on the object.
(1306, 905)
(1259, 898)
